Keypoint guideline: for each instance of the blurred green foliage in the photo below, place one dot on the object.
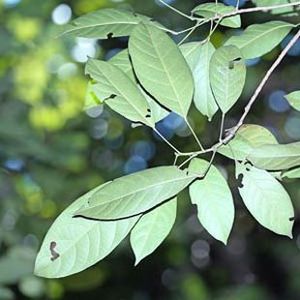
(52, 151)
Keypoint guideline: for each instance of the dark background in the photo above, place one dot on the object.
(51, 152)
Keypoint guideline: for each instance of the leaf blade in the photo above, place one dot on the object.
(161, 68)
(266, 199)
(77, 241)
(152, 229)
(294, 99)
(213, 199)
(136, 193)
(227, 76)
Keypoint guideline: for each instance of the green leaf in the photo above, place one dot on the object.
(91, 99)
(119, 92)
(198, 56)
(209, 10)
(290, 11)
(292, 174)
(6, 294)
(266, 199)
(227, 76)
(152, 229)
(213, 199)
(259, 39)
(106, 23)
(80, 243)
(246, 139)
(294, 99)
(161, 68)
(276, 156)
(136, 193)
(122, 61)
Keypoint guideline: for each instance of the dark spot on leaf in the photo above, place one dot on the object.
(112, 96)
(232, 62)
(148, 110)
(148, 116)
(292, 219)
(248, 169)
(240, 180)
(110, 35)
(54, 254)
(152, 20)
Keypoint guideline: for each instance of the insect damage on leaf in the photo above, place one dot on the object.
(232, 62)
(110, 35)
(240, 180)
(54, 254)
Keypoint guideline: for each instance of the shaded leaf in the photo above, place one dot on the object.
(266, 199)
(227, 76)
(79, 243)
(209, 10)
(294, 99)
(106, 23)
(119, 92)
(259, 39)
(136, 193)
(294, 173)
(161, 68)
(246, 139)
(152, 229)
(198, 57)
(213, 199)
(290, 11)
(276, 156)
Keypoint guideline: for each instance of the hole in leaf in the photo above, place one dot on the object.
(110, 35)
(148, 110)
(148, 116)
(292, 219)
(112, 96)
(232, 62)
(54, 254)
(240, 180)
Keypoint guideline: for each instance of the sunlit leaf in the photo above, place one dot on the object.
(152, 229)
(74, 244)
(106, 23)
(294, 99)
(91, 99)
(198, 56)
(122, 61)
(213, 199)
(259, 39)
(246, 139)
(266, 199)
(276, 156)
(209, 10)
(227, 76)
(136, 193)
(161, 68)
(119, 92)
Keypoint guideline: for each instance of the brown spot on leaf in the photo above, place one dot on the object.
(54, 254)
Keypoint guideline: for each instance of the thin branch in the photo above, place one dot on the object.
(167, 142)
(177, 11)
(194, 134)
(192, 29)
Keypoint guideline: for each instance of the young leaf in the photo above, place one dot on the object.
(122, 61)
(292, 174)
(119, 92)
(209, 10)
(266, 199)
(294, 99)
(276, 156)
(161, 68)
(74, 244)
(259, 39)
(213, 199)
(136, 193)
(152, 228)
(246, 139)
(227, 76)
(198, 56)
(106, 23)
